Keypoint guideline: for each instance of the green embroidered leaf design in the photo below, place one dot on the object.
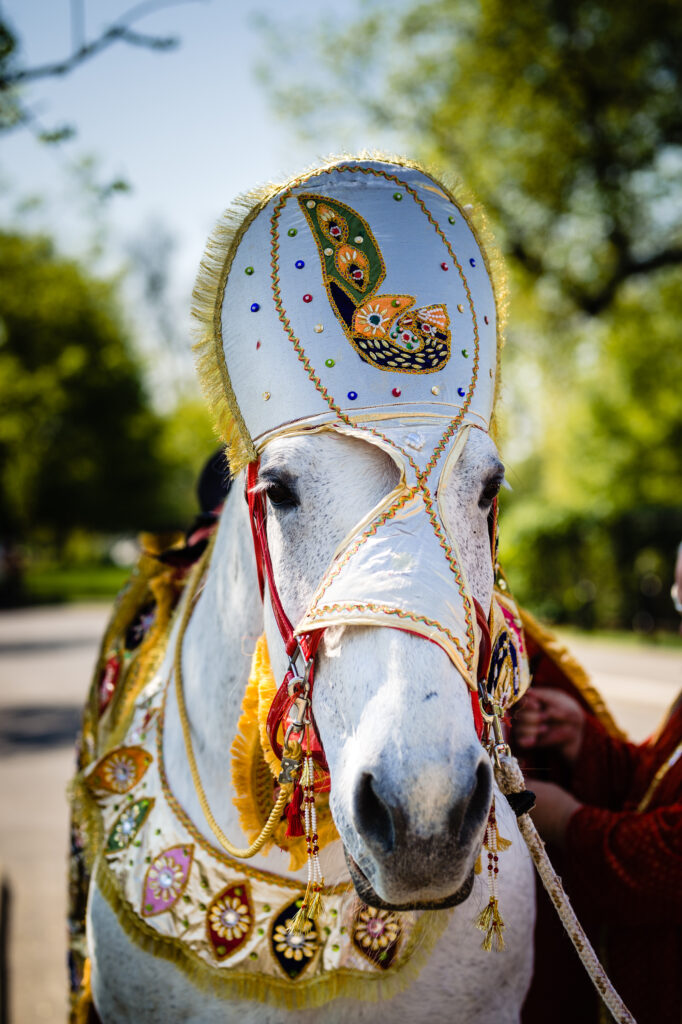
(128, 824)
(350, 256)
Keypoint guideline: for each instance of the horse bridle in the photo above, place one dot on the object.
(292, 705)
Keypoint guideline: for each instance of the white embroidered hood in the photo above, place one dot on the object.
(359, 298)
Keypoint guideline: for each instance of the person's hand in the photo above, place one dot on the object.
(549, 718)
(554, 808)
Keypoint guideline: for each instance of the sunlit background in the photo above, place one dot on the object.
(124, 134)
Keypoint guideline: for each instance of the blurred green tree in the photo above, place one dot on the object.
(563, 117)
(79, 443)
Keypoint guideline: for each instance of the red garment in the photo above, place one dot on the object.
(622, 870)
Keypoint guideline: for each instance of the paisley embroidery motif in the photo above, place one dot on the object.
(166, 880)
(293, 951)
(127, 825)
(376, 934)
(120, 771)
(385, 330)
(229, 920)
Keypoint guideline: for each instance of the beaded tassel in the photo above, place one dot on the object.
(490, 920)
(311, 907)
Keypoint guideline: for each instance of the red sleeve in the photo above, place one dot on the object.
(603, 771)
(627, 865)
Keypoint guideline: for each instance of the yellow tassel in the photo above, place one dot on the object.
(490, 922)
(299, 923)
(316, 905)
(478, 867)
(502, 843)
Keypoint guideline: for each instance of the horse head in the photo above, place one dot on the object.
(349, 349)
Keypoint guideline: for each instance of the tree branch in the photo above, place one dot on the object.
(119, 31)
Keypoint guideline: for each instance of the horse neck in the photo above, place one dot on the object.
(216, 658)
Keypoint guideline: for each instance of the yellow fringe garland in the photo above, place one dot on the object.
(255, 766)
(490, 922)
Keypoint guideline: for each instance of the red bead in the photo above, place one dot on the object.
(307, 298)
(444, 266)
(396, 392)
(485, 320)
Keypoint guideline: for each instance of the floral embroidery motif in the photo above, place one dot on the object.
(376, 934)
(128, 824)
(120, 771)
(385, 330)
(166, 880)
(229, 920)
(293, 950)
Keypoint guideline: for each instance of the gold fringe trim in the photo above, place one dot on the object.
(252, 755)
(233, 983)
(572, 669)
(222, 245)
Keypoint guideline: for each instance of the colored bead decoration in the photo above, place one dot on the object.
(266, 396)
(444, 266)
(328, 251)
(310, 204)
(255, 307)
(461, 392)
(329, 362)
(299, 264)
(465, 353)
(485, 320)
(397, 196)
(460, 309)
(307, 297)
(396, 302)
(248, 270)
(318, 328)
(472, 262)
(291, 232)
(352, 395)
(396, 392)
(435, 390)
(358, 239)
(258, 345)
(451, 219)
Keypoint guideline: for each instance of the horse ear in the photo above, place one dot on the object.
(352, 265)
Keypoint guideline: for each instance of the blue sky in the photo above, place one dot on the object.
(189, 129)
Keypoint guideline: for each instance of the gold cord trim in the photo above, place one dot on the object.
(243, 853)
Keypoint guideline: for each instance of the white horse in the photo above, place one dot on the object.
(411, 785)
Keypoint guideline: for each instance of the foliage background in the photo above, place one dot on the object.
(564, 120)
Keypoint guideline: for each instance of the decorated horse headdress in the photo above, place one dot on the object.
(361, 297)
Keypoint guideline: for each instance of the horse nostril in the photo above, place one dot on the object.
(466, 819)
(372, 817)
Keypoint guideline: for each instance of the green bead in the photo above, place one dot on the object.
(254, 956)
(465, 353)
(291, 232)
(335, 948)
(451, 219)
(266, 908)
(329, 362)
(261, 931)
(249, 271)
(397, 196)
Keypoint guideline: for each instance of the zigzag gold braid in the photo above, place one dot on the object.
(510, 780)
(285, 790)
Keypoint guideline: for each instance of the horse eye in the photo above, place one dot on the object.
(490, 491)
(280, 495)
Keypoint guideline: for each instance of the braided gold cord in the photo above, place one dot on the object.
(510, 780)
(285, 789)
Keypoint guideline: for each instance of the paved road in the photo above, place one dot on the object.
(46, 657)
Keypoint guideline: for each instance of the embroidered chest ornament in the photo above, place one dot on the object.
(360, 298)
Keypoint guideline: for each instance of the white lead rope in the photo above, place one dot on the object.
(510, 780)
